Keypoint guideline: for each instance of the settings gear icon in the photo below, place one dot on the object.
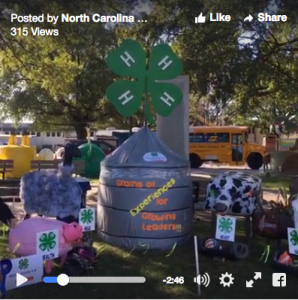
(226, 279)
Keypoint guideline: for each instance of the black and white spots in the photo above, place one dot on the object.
(234, 192)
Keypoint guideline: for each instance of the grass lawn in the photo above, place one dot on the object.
(157, 266)
(274, 182)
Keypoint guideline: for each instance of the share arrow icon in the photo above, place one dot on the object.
(249, 18)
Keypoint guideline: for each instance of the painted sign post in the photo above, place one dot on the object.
(129, 60)
(87, 219)
(225, 228)
(30, 267)
(293, 241)
(47, 244)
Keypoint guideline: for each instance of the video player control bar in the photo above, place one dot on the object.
(63, 279)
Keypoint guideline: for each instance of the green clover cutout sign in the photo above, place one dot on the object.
(225, 225)
(23, 264)
(47, 241)
(294, 237)
(129, 60)
(87, 216)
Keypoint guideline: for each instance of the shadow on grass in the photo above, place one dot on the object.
(156, 266)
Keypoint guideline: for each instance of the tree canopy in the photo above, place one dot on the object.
(240, 72)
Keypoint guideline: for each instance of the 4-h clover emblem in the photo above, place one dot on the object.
(87, 216)
(47, 241)
(23, 264)
(294, 237)
(225, 225)
(129, 60)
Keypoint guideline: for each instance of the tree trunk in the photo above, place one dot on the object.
(81, 131)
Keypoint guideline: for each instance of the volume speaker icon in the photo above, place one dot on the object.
(202, 279)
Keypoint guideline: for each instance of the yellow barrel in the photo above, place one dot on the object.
(25, 141)
(12, 140)
(21, 156)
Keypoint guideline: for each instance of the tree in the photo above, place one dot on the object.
(234, 64)
(59, 77)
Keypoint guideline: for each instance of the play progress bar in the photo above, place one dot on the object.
(64, 280)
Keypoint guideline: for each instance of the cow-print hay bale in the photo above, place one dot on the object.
(234, 192)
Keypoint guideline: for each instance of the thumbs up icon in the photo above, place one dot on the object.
(200, 19)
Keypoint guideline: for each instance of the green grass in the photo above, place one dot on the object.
(157, 266)
(274, 182)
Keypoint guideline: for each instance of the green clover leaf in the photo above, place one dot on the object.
(294, 237)
(87, 216)
(164, 64)
(129, 60)
(165, 97)
(126, 96)
(23, 263)
(47, 241)
(225, 225)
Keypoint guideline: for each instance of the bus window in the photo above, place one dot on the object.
(223, 137)
(246, 137)
(237, 139)
(196, 138)
(217, 138)
(211, 138)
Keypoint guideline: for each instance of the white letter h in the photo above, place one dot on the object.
(168, 99)
(127, 59)
(126, 97)
(165, 63)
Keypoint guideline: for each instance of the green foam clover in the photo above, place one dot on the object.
(129, 60)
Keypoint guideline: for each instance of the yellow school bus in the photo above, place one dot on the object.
(225, 144)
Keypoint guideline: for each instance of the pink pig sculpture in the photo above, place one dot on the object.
(22, 238)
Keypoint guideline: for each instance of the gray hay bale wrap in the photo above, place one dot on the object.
(133, 180)
(52, 193)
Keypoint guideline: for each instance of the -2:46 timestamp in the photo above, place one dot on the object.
(174, 280)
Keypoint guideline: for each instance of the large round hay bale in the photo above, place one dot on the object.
(48, 154)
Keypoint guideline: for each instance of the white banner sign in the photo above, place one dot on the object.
(87, 218)
(31, 267)
(293, 241)
(225, 228)
(47, 244)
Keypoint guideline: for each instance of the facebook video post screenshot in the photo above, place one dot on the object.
(149, 149)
